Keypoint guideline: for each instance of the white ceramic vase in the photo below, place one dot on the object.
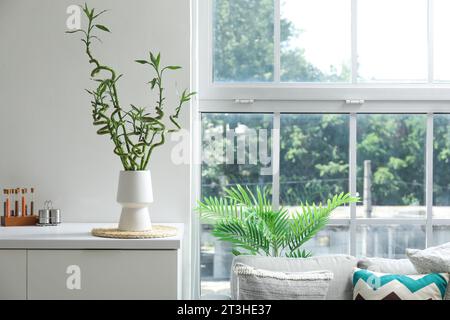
(135, 195)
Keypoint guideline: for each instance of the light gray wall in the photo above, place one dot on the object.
(46, 131)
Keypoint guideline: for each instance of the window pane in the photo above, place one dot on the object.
(236, 149)
(391, 165)
(333, 239)
(243, 45)
(441, 43)
(441, 235)
(316, 40)
(441, 166)
(215, 263)
(388, 241)
(314, 159)
(392, 40)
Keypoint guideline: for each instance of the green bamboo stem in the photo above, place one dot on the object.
(134, 145)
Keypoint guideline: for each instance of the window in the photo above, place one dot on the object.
(390, 175)
(388, 241)
(315, 41)
(233, 151)
(441, 170)
(441, 50)
(275, 46)
(333, 239)
(441, 234)
(303, 58)
(236, 150)
(243, 41)
(314, 158)
(396, 49)
(391, 165)
(342, 96)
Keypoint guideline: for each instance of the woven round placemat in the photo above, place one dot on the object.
(158, 231)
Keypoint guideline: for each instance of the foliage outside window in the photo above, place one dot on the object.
(313, 41)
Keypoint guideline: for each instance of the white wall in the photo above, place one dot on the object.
(46, 131)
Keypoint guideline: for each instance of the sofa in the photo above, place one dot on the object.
(342, 267)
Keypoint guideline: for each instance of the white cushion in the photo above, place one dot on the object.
(341, 266)
(260, 284)
(383, 265)
(433, 259)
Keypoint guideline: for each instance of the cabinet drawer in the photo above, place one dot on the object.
(102, 274)
(13, 274)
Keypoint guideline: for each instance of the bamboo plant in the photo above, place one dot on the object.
(134, 131)
(252, 226)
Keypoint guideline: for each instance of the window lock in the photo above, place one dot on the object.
(244, 101)
(354, 101)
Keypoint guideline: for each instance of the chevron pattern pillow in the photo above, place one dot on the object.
(369, 285)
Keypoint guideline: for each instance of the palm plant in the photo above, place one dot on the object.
(250, 223)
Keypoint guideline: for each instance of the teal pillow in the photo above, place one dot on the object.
(369, 285)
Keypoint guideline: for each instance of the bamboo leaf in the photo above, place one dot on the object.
(153, 83)
(102, 131)
(102, 27)
(74, 31)
(157, 60)
(100, 13)
(101, 122)
(173, 67)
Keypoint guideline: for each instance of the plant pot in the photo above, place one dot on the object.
(135, 195)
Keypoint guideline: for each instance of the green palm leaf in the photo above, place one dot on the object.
(312, 218)
(249, 222)
(242, 234)
(299, 254)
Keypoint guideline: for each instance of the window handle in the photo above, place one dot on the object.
(244, 101)
(354, 101)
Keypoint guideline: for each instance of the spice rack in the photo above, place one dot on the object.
(19, 221)
(16, 210)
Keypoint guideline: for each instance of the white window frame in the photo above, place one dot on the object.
(277, 90)
(277, 98)
(353, 222)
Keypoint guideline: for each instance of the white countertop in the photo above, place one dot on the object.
(78, 236)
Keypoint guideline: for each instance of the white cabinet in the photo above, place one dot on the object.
(68, 263)
(13, 274)
(102, 274)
